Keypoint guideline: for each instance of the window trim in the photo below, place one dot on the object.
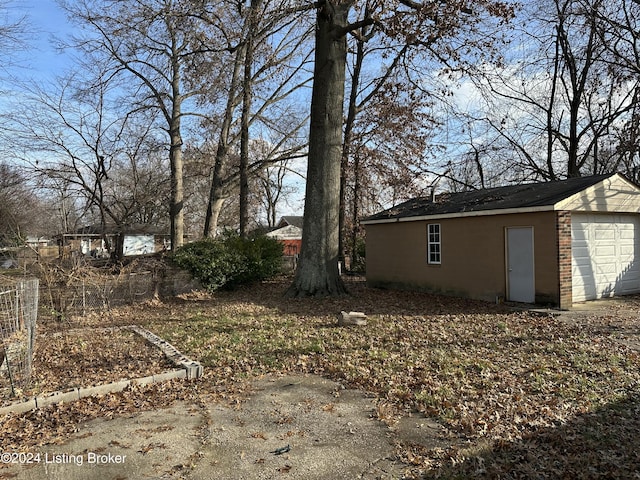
(434, 247)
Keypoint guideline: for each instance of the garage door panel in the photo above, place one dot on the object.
(581, 253)
(606, 273)
(577, 278)
(604, 253)
(630, 270)
(627, 234)
(630, 281)
(628, 251)
(580, 234)
(629, 284)
(603, 234)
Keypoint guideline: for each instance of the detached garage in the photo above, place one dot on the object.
(551, 243)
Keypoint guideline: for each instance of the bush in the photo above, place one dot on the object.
(231, 260)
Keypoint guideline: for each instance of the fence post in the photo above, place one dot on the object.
(84, 299)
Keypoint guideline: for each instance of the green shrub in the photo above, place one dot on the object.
(230, 260)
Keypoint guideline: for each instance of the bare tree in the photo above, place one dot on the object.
(73, 139)
(79, 149)
(556, 104)
(22, 212)
(268, 69)
(247, 98)
(274, 189)
(388, 132)
(619, 24)
(14, 28)
(11, 183)
(620, 33)
(64, 207)
(152, 47)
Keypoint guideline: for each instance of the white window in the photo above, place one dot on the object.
(434, 250)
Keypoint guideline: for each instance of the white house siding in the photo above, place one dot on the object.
(138, 244)
(290, 232)
(613, 195)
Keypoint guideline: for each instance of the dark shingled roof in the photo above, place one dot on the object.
(132, 229)
(291, 220)
(512, 196)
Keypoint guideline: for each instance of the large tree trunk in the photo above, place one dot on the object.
(244, 140)
(216, 197)
(177, 191)
(317, 272)
(176, 206)
(215, 208)
(244, 121)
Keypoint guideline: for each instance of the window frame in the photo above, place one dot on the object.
(434, 244)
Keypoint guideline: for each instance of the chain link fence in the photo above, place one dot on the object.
(62, 297)
(18, 315)
(100, 293)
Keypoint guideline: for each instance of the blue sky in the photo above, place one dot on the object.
(41, 62)
(46, 20)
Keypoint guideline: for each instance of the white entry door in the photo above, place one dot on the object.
(520, 265)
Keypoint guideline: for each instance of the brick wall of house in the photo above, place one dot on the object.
(563, 231)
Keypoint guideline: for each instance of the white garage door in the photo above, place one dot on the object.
(605, 255)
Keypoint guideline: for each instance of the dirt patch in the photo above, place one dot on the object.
(83, 357)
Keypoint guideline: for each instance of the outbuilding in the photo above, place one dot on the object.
(288, 231)
(550, 243)
(129, 240)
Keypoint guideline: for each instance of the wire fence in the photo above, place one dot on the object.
(60, 298)
(100, 293)
(18, 315)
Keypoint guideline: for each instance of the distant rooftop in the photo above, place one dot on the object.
(131, 229)
(296, 221)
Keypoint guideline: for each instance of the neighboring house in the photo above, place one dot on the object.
(289, 232)
(550, 243)
(35, 242)
(131, 239)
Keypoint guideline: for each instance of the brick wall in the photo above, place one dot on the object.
(563, 239)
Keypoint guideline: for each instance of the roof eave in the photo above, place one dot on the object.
(564, 204)
(475, 213)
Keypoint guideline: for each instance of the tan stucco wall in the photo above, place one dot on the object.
(473, 255)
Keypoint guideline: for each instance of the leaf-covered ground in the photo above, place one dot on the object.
(522, 395)
(84, 357)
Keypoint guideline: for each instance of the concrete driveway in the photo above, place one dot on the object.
(302, 427)
(617, 316)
